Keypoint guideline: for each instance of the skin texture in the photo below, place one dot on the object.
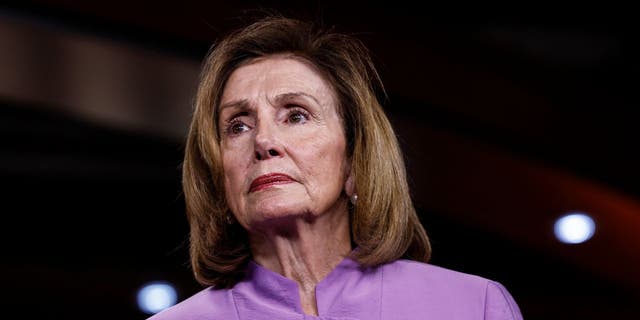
(279, 115)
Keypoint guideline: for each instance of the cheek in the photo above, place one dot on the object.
(234, 157)
(233, 177)
(325, 158)
(233, 189)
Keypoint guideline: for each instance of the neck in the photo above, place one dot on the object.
(304, 250)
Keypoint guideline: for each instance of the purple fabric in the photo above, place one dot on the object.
(399, 290)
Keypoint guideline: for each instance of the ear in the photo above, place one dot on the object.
(349, 184)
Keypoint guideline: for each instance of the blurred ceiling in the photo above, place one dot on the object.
(507, 122)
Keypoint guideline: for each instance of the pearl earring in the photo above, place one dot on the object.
(354, 199)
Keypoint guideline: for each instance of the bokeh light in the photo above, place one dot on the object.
(156, 296)
(575, 227)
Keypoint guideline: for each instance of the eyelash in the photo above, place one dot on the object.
(294, 110)
(300, 111)
(229, 129)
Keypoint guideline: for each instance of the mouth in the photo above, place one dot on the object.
(269, 180)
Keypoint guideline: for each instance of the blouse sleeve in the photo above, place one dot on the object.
(499, 304)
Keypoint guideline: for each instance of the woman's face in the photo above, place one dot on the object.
(282, 141)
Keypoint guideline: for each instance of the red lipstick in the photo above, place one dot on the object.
(268, 180)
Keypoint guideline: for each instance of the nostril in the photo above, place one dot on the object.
(273, 153)
(258, 156)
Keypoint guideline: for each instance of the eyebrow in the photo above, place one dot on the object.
(290, 95)
(244, 103)
(238, 104)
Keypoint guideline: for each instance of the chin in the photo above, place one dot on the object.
(277, 203)
(277, 212)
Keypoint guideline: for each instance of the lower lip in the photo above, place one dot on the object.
(269, 185)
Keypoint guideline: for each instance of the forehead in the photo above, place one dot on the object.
(275, 75)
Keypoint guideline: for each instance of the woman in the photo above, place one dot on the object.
(296, 191)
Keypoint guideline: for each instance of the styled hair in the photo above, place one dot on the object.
(384, 224)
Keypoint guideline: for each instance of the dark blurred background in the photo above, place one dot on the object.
(508, 118)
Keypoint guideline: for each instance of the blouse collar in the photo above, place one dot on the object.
(347, 292)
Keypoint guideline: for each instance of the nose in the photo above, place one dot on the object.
(267, 144)
(270, 154)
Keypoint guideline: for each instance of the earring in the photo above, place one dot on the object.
(229, 220)
(354, 199)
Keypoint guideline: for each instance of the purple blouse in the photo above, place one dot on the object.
(400, 290)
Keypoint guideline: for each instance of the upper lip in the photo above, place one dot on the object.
(269, 178)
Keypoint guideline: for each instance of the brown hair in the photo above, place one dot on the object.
(384, 224)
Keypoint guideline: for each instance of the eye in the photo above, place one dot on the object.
(297, 116)
(236, 127)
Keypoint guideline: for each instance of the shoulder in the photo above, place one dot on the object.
(209, 303)
(450, 293)
(417, 276)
